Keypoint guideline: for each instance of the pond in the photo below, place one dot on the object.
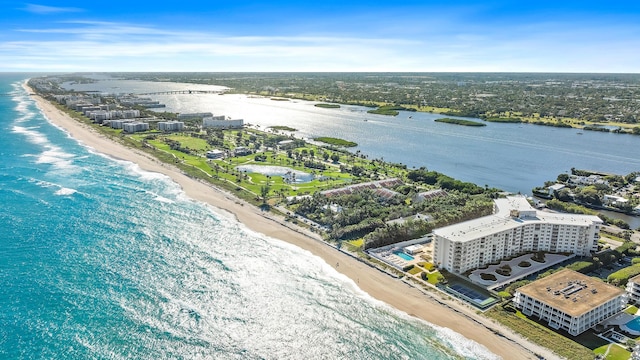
(288, 174)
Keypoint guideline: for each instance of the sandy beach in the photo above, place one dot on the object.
(445, 313)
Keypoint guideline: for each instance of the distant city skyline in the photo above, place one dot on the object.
(412, 36)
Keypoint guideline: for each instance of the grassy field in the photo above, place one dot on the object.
(541, 335)
(616, 352)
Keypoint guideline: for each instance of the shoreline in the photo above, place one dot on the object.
(429, 307)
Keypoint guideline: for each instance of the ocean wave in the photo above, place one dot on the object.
(163, 199)
(62, 191)
(463, 346)
(34, 137)
(59, 159)
(65, 191)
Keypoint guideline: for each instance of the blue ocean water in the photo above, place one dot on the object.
(101, 260)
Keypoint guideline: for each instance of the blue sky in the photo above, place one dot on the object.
(518, 36)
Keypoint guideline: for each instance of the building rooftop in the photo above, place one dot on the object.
(635, 279)
(512, 212)
(571, 292)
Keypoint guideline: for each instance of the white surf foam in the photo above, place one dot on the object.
(59, 159)
(32, 136)
(62, 191)
(65, 192)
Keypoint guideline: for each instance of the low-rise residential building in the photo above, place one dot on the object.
(614, 200)
(587, 180)
(633, 289)
(217, 123)
(570, 301)
(515, 228)
(170, 125)
(286, 144)
(241, 151)
(428, 195)
(129, 113)
(136, 126)
(198, 116)
(215, 154)
(555, 187)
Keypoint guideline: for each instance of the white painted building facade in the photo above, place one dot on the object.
(217, 123)
(170, 125)
(633, 289)
(514, 229)
(570, 301)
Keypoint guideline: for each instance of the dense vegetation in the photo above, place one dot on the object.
(426, 177)
(459, 122)
(336, 141)
(391, 110)
(282, 128)
(327, 106)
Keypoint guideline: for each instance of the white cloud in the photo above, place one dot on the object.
(43, 9)
(112, 46)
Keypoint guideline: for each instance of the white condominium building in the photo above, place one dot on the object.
(570, 301)
(221, 123)
(170, 125)
(513, 229)
(633, 288)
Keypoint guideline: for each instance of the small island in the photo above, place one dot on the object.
(335, 141)
(515, 120)
(282, 128)
(327, 106)
(391, 110)
(460, 122)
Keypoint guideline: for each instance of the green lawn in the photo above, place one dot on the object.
(432, 277)
(540, 334)
(616, 352)
(191, 142)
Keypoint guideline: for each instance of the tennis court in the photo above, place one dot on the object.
(476, 297)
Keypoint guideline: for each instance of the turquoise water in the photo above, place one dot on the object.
(634, 324)
(101, 260)
(404, 255)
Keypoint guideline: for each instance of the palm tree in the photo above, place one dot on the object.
(264, 191)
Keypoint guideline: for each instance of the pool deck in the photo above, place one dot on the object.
(621, 320)
(387, 255)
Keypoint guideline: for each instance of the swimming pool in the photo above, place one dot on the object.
(404, 255)
(634, 324)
